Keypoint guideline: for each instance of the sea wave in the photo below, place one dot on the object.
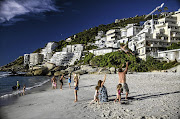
(4, 74)
(27, 88)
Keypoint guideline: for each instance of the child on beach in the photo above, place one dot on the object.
(53, 81)
(54, 84)
(76, 88)
(125, 49)
(24, 88)
(96, 98)
(119, 90)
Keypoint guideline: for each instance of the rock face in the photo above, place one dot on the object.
(112, 70)
(104, 71)
(70, 69)
(81, 72)
(59, 68)
(49, 65)
(88, 69)
(41, 72)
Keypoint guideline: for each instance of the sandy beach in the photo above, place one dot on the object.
(152, 95)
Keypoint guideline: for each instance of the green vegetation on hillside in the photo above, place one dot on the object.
(116, 59)
(174, 46)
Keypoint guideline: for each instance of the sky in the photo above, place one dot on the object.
(26, 25)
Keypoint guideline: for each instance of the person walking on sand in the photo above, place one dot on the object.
(76, 88)
(125, 49)
(23, 92)
(61, 81)
(103, 96)
(69, 80)
(122, 79)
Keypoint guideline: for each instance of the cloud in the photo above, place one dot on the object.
(9, 9)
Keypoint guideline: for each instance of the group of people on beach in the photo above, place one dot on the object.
(62, 77)
(101, 94)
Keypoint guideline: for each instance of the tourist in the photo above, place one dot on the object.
(103, 96)
(69, 80)
(24, 88)
(76, 88)
(122, 79)
(96, 98)
(118, 93)
(53, 80)
(17, 86)
(125, 49)
(61, 81)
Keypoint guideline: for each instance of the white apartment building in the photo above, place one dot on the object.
(61, 58)
(170, 55)
(103, 51)
(112, 36)
(157, 36)
(35, 59)
(68, 40)
(73, 48)
(26, 59)
(99, 35)
(48, 50)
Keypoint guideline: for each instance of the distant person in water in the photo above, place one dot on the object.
(17, 86)
(76, 86)
(125, 49)
(122, 79)
(61, 81)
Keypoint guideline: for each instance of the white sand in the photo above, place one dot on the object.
(152, 95)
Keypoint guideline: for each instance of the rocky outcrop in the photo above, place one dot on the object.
(81, 72)
(89, 69)
(41, 72)
(104, 71)
(50, 66)
(112, 70)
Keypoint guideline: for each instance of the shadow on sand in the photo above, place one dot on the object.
(141, 97)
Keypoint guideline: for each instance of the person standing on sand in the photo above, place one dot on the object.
(61, 81)
(69, 80)
(103, 96)
(53, 80)
(76, 88)
(122, 79)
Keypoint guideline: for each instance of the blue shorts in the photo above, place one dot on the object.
(69, 80)
(76, 88)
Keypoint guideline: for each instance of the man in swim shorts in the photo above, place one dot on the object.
(122, 79)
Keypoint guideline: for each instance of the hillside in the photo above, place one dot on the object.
(108, 60)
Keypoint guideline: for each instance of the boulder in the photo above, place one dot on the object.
(50, 74)
(29, 74)
(41, 72)
(49, 65)
(88, 69)
(69, 69)
(81, 72)
(57, 73)
(112, 70)
(59, 68)
(104, 71)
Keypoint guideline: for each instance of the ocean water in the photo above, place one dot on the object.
(7, 81)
